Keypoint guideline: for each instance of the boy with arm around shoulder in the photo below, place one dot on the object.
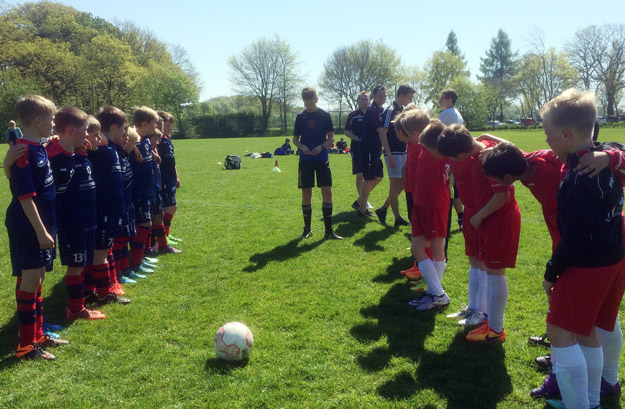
(30, 222)
(585, 277)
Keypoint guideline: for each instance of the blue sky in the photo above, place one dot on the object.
(211, 31)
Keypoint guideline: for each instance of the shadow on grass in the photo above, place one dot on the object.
(392, 271)
(404, 328)
(371, 241)
(220, 367)
(283, 252)
(347, 224)
(54, 307)
(466, 375)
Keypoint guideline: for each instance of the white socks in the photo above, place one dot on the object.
(429, 273)
(612, 344)
(497, 300)
(474, 288)
(483, 295)
(440, 269)
(594, 366)
(571, 372)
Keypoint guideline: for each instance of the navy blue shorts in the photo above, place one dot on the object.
(168, 194)
(307, 171)
(143, 210)
(371, 165)
(355, 161)
(108, 228)
(76, 247)
(128, 223)
(157, 205)
(25, 251)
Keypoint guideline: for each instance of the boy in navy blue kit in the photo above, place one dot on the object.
(313, 134)
(109, 180)
(75, 206)
(585, 277)
(354, 130)
(31, 224)
(170, 181)
(144, 119)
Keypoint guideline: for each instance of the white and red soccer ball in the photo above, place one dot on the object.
(233, 342)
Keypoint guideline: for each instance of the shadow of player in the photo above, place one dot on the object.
(292, 249)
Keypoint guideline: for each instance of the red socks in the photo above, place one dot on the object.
(101, 279)
(159, 233)
(26, 316)
(75, 291)
(167, 222)
(137, 245)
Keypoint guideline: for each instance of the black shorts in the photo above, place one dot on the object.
(371, 165)
(168, 194)
(25, 251)
(143, 213)
(356, 169)
(307, 170)
(157, 205)
(76, 247)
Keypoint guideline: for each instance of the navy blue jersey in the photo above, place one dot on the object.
(127, 172)
(83, 175)
(31, 176)
(168, 162)
(109, 182)
(157, 178)
(372, 122)
(356, 124)
(589, 220)
(312, 128)
(389, 114)
(143, 172)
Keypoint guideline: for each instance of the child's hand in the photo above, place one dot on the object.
(476, 221)
(317, 150)
(593, 163)
(548, 287)
(177, 183)
(305, 150)
(45, 241)
(138, 156)
(13, 154)
(391, 161)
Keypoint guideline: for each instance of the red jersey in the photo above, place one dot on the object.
(544, 185)
(432, 190)
(464, 181)
(485, 187)
(412, 155)
(617, 163)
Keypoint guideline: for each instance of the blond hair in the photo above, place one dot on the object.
(93, 123)
(133, 136)
(31, 106)
(412, 119)
(573, 109)
(144, 114)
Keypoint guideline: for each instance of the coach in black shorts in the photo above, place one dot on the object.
(354, 130)
(313, 134)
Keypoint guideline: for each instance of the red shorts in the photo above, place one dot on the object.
(584, 297)
(471, 243)
(429, 221)
(498, 238)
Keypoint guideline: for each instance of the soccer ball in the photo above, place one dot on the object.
(233, 342)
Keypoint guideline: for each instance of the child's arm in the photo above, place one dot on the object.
(12, 155)
(329, 142)
(177, 178)
(495, 202)
(489, 137)
(351, 135)
(300, 145)
(30, 210)
(387, 148)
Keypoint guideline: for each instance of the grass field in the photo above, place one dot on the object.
(331, 323)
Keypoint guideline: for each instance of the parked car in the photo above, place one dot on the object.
(527, 121)
(601, 119)
(494, 123)
(513, 122)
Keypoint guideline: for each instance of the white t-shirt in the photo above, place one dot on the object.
(451, 116)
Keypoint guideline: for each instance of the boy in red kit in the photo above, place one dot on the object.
(585, 277)
(539, 171)
(476, 311)
(429, 214)
(30, 222)
(497, 217)
(75, 206)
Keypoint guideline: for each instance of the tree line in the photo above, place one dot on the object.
(519, 85)
(77, 59)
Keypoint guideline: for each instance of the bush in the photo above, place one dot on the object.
(225, 125)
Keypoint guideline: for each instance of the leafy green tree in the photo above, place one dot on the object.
(440, 70)
(258, 69)
(452, 44)
(415, 77)
(358, 67)
(498, 68)
(471, 102)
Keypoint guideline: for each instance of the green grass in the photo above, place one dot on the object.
(331, 325)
